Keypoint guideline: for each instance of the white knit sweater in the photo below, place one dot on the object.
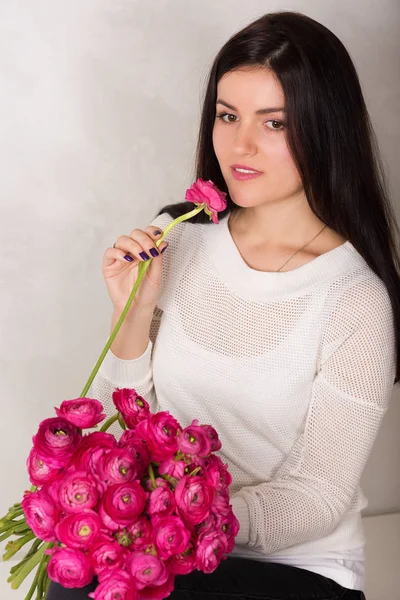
(295, 371)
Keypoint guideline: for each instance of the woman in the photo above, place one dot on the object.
(280, 325)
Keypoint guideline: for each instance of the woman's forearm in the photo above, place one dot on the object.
(133, 336)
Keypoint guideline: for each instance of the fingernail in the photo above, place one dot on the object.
(157, 232)
(144, 255)
(153, 252)
(128, 258)
(165, 247)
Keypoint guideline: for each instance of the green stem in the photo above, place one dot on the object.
(28, 566)
(42, 569)
(121, 421)
(109, 422)
(32, 550)
(7, 534)
(142, 268)
(151, 475)
(16, 546)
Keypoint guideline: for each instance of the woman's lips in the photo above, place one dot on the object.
(243, 176)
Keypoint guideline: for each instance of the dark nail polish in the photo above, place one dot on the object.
(165, 247)
(144, 255)
(153, 252)
(157, 232)
(128, 258)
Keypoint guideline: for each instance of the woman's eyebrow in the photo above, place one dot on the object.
(260, 111)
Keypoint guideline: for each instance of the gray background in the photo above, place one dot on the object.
(100, 104)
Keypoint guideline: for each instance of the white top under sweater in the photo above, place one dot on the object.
(294, 369)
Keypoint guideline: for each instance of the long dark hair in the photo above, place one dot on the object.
(329, 133)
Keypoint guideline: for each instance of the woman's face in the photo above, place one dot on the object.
(257, 141)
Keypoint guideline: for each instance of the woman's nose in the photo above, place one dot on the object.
(245, 139)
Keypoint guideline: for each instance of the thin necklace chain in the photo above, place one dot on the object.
(229, 221)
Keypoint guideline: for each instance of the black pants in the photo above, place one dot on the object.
(242, 579)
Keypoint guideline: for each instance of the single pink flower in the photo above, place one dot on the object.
(56, 441)
(115, 585)
(216, 472)
(133, 407)
(194, 440)
(141, 533)
(171, 536)
(69, 567)
(122, 504)
(114, 466)
(162, 433)
(105, 554)
(92, 444)
(77, 491)
(185, 562)
(41, 514)
(210, 551)
(158, 592)
(194, 497)
(82, 412)
(161, 501)
(206, 192)
(79, 530)
(139, 450)
(146, 569)
(173, 468)
(213, 437)
(39, 470)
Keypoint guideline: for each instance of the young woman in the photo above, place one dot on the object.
(280, 325)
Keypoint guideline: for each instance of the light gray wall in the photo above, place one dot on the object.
(100, 104)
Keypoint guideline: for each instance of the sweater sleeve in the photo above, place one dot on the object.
(315, 485)
(137, 373)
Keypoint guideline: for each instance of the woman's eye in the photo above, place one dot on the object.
(222, 115)
(277, 125)
(275, 122)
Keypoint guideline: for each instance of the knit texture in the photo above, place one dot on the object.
(295, 371)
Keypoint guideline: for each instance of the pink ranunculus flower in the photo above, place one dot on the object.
(146, 569)
(69, 567)
(79, 530)
(211, 549)
(173, 468)
(194, 497)
(194, 440)
(216, 472)
(56, 441)
(90, 446)
(207, 192)
(82, 412)
(158, 592)
(41, 514)
(171, 536)
(122, 504)
(39, 470)
(162, 435)
(116, 584)
(115, 466)
(185, 562)
(139, 450)
(161, 501)
(105, 554)
(133, 407)
(141, 533)
(213, 437)
(77, 491)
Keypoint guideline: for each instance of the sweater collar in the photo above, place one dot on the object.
(253, 284)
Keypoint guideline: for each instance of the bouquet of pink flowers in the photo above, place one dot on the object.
(135, 512)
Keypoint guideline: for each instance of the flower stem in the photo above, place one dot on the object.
(15, 546)
(109, 422)
(151, 474)
(121, 421)
(28, 566)
(142, 268)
